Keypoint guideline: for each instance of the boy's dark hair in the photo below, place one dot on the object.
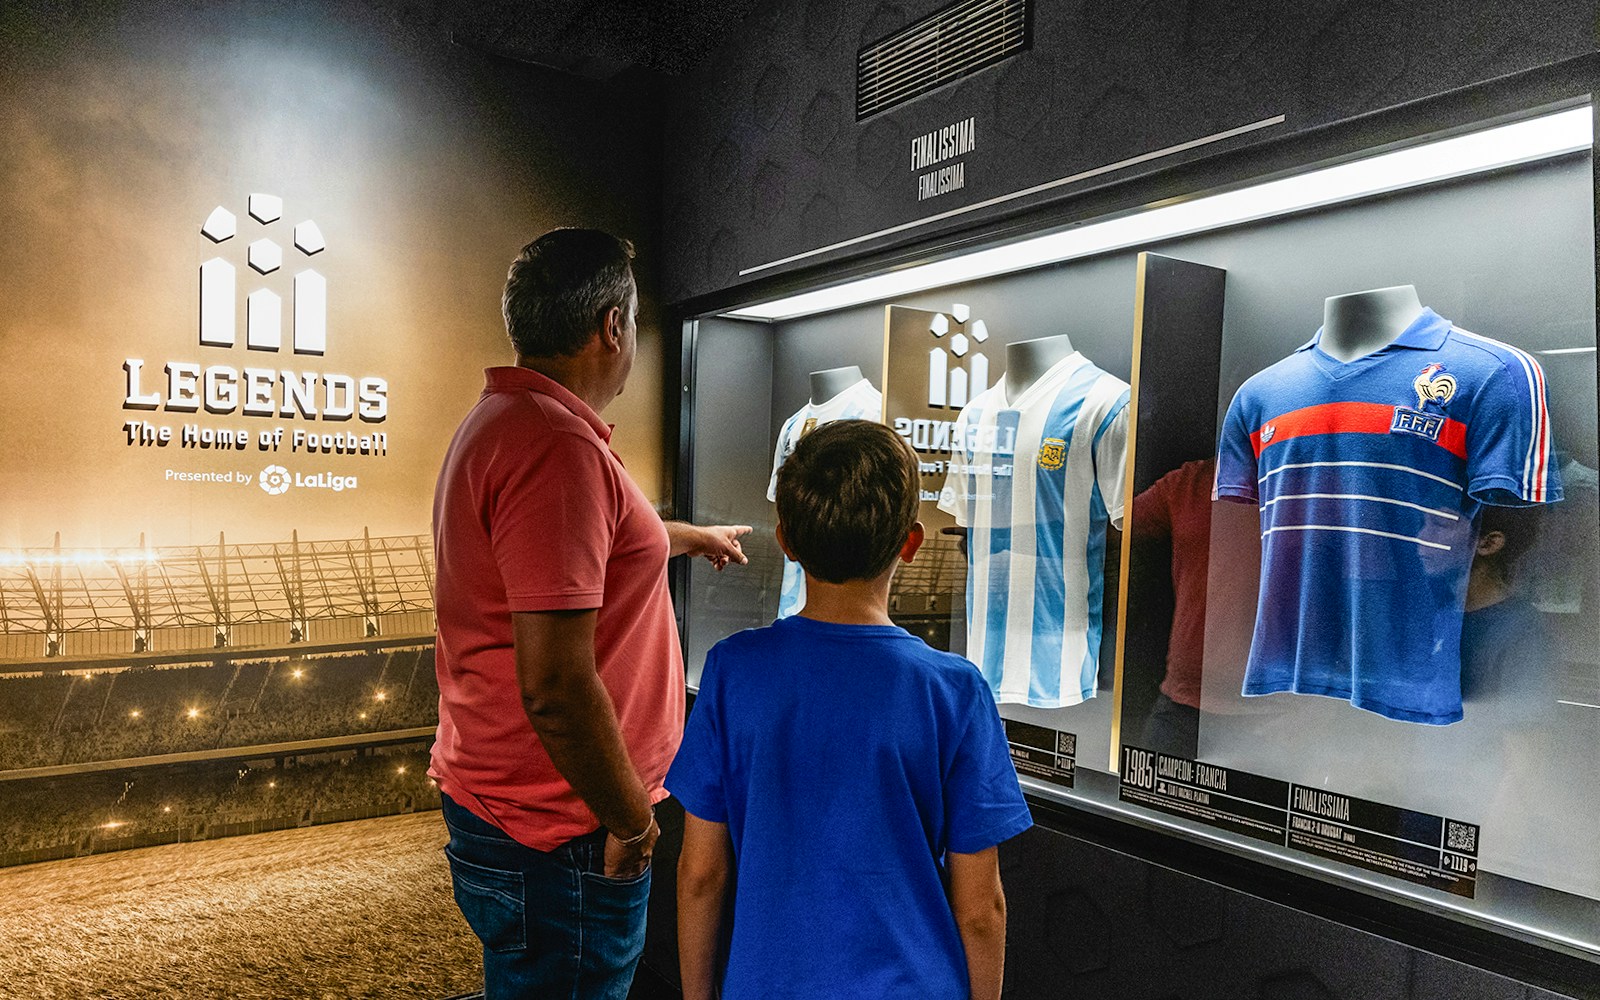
(560, 287)
(847, 498)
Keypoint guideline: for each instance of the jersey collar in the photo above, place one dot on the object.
(1046, 383)
(1426, 333)
(512, 377)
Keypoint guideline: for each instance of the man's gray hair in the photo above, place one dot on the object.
(560, 288)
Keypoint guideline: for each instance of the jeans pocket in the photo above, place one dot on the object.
(614, 922)
(492, 901)
(643, 878)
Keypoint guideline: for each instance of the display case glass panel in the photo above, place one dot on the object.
(1379, 665)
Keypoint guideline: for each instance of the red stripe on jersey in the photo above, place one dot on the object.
(1348, 418)
(1541, 439)
(1453, 438)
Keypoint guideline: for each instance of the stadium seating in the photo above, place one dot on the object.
(86, 813)
(119, 714)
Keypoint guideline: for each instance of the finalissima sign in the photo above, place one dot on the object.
(936, 158)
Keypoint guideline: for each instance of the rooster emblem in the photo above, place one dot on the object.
(1434, 383)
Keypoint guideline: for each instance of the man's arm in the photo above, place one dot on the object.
(702, 882)
(718, 543)
(572, 713)
(979, 903)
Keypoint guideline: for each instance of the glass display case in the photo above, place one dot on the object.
(1270, 512)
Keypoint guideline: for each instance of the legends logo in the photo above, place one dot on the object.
(951, 383)
(260, 392)
(191, 386)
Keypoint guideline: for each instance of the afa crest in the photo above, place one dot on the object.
(1052, 454)
(1434, 384)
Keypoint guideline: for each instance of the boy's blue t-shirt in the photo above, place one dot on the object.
(845, 760)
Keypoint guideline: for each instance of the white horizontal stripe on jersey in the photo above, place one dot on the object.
(1359, 496)
(1365, 465)
(1364, 531)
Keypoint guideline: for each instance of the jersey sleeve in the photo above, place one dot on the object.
(957, 492)
(1510, 457)
(1111, 456)
(779, 453)
(982, 800)
(552, 522)
(1236, 457)
(868, 407)
(696, 776)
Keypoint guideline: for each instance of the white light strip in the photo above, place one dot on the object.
(1508, 145)
(1569, 350)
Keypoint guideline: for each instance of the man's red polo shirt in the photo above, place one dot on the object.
(534, 512)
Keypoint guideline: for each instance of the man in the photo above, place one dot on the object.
(561, 691)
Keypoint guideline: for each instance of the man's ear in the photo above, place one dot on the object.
(612, 327)
(783, 545)
(1491, 542)
(914, 540)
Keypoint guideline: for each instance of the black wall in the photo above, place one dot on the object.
(765, 158)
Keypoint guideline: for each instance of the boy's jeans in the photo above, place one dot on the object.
(552, 925)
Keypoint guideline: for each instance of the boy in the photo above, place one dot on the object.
(839, 772)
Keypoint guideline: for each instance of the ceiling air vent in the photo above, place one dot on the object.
(961, 39)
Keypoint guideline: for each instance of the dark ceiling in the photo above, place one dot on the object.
(598, 38)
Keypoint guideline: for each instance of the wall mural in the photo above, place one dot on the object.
(252, 277)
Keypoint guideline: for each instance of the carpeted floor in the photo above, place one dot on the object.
(348, 910)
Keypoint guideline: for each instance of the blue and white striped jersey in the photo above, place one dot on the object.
(859, 402)
(1035, 482)
(1370, 475)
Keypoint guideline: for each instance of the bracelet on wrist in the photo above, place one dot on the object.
(638, 837)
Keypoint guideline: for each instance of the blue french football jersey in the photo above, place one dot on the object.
(858, 402)
(1370, 475)
(1035, 481)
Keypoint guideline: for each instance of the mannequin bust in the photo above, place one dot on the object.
(1028, 360)
(1355, 325)
(827, 384)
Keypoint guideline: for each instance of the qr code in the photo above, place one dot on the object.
(1461, 836)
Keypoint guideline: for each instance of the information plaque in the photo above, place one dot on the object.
(1418, 847)
(1046, 754)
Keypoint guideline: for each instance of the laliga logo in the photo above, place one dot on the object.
(1434, 384)
(275, 480)
(953, 386)
(263, 307)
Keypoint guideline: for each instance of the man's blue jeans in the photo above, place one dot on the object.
(553, 926)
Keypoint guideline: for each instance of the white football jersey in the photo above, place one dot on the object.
(1035, 482)
(859, 402)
